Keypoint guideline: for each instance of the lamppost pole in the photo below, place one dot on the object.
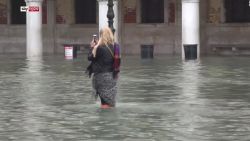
(111, 15)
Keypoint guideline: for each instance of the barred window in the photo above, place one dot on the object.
(85, 11)
(17, 17)
(152, 11)
(237, 11)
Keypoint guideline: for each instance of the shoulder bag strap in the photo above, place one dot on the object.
(111, 52)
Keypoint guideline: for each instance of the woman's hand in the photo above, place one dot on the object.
(92, 43)
(94, 51)
(95, 46)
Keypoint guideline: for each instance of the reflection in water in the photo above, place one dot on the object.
(159, 99)
(34, 65)
(189, 84)
(190, 79)
(33, 91)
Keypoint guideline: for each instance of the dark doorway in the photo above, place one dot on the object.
(147, 51)
(17, 17)
(85, 11)
(190, 52)
(237, 11)
(152, 11)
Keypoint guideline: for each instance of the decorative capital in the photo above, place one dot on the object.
(105, 0)
(190, 1)
(27, 1)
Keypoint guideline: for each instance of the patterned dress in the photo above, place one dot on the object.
(104, 86)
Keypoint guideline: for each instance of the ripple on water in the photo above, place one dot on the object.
(159, 99)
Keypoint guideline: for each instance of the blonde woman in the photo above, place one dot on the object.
(102, 59)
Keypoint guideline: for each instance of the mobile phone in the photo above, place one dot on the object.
(95, 38)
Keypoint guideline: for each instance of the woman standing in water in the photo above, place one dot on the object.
(105, 67)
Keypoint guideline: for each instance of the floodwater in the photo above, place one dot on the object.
(164, 99)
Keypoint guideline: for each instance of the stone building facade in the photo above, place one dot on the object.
(141, 22)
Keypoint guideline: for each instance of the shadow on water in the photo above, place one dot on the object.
(159, 99)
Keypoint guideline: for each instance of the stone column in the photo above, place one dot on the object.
(103, 20)
(34, 47)
(190, 27)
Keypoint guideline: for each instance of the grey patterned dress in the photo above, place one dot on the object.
(104, 86)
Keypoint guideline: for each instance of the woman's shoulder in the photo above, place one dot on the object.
(101, 47)
(104, 47)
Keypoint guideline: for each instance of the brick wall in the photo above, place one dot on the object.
(214, 11)
(65, 12)
(3, 12)
(129, 11)
(171, 11)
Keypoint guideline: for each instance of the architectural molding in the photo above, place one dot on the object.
(27, 1)
(191, 1)
(104, 0)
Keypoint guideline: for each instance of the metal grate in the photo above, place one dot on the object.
(147, 51)
(190, 52)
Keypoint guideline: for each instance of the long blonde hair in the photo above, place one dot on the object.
(106, 36)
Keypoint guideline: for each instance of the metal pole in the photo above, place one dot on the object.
(111, 15)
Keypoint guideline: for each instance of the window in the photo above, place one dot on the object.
(152, 11)
(17, 17)
(85, 11)
(237, 11)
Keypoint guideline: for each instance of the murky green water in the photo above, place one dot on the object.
(160, 99)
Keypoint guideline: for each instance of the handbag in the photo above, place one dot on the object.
(117, 59)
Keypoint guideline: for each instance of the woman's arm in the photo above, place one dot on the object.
(90, 55)
(95, 48)
(92, 50)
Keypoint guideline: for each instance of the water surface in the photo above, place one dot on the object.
(160, 99)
